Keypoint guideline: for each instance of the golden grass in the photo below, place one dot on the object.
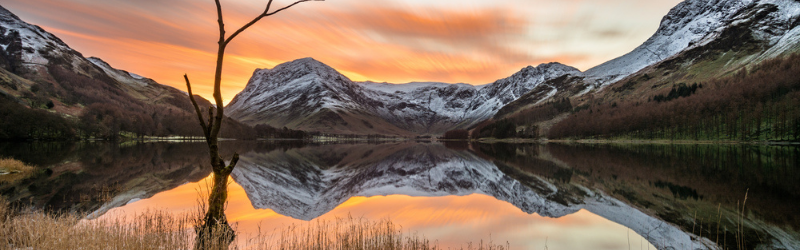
(350, 233)
(12, 170)
(160, 230)
(37, 230)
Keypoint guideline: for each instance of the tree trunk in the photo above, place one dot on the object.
(214, 232)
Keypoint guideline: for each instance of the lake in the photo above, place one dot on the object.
(532, 196)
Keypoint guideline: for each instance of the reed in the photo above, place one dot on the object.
(352, 233)
(33, 229)
(29, 229)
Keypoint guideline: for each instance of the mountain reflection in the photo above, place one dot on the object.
(307, 182)
(675, 196)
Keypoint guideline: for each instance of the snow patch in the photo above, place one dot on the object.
(137, 77)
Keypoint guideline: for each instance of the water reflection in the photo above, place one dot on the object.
(305, 183)
(97, 176)
(675, 196)
(699, 188)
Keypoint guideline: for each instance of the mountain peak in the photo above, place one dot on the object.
(6, 14)
(303, 63)
(547, 69)
(555, 66)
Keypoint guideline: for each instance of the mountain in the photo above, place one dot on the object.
(696, 30)
(694, 38)
(50, 91)
(698, 42)
(307, 94)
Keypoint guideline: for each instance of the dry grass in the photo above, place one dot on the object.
(349, 233)
(12, 170)
(161, 230)
(37, 230)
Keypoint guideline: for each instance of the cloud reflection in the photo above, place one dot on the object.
(452, 220)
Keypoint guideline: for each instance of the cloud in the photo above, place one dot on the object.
(395, 41)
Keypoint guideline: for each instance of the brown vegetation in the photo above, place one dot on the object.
(37, 230)
(760, 104)
(12, 171)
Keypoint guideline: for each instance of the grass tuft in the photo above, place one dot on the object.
(12, 170)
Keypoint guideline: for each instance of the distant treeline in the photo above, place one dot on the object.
(760, 104)
(19, 122)
(266, 131)
(99, 121)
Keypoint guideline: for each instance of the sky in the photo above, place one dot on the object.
(467, 41)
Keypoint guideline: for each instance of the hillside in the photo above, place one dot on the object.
(737, 63)
(50, 91)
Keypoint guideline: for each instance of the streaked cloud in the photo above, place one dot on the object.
(395, 41)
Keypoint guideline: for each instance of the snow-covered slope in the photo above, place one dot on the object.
(307, 183)
(27, 46)
(122, 76)
(28, 51)
(696, 23)
(293, 93)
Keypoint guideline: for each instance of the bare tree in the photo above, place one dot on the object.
(214, 218)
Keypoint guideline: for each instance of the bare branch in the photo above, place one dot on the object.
(220, 22)
(269, 4)
(233, 162)
(289, 6)
(196, 108)
(265, 14)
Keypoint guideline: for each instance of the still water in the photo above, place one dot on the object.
(531, 196)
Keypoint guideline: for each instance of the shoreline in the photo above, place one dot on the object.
(625, 141)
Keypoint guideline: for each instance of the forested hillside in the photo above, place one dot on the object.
(758, 103)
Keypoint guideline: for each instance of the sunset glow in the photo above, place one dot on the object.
(474, 42)
(452, 220)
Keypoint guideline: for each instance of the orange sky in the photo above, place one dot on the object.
(468, 41)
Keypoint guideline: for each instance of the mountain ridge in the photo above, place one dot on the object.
(274, 96)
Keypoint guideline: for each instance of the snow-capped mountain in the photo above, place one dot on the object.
(696, 39)
(307, 94)
(308, 182)
(295, 98)
(697, 23)
(28, 51)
